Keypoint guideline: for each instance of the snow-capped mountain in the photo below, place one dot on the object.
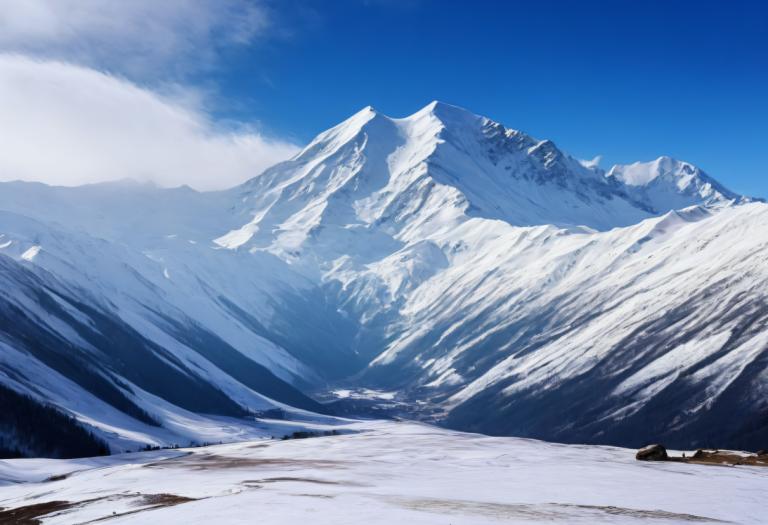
(463, 263)
(669, 184)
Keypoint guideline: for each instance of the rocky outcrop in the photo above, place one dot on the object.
(652, 453)
(704, 457)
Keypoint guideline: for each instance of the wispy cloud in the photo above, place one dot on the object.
(136, 38)
(95, 90)
(66, 124)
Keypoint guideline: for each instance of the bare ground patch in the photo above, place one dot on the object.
(218, 462)
(545, 511)
(301, 480)
(33, 514)
(30, 514)
(162, 500)
(658, 453)
(146, 502)
(721, 457)
(647, 514)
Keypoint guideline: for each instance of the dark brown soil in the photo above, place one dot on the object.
(718, 457)
(29, 514)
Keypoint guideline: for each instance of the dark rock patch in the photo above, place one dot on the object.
(652, 453)
(703, 457)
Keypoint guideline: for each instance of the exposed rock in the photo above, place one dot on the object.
(705, 457)
(652, 453)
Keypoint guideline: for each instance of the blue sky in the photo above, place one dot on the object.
(212, 91)
(622, 79)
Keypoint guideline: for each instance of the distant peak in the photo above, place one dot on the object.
(665, 162)
(679, 177)
(124, 182)
(642, 173)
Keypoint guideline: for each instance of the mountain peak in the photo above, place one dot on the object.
(333, 138)
(372, 169)
(448, 114)
(437, 106)
(643, 173)
(366, 111)
(359, 118)
(674, 182)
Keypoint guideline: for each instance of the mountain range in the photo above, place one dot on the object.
(449, 261)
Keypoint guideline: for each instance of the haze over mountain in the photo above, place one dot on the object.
(469, 267)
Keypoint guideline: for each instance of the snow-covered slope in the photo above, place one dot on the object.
(655, 329)
(387, 473)
(139, 344)
(459, 261)
(669, 184)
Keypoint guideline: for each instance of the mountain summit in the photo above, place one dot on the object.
(436, 169)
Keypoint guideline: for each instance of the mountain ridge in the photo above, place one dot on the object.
(443, 255)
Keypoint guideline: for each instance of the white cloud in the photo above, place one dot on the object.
(65, 118)
(137, 38)
(66, 124)
(592, 163)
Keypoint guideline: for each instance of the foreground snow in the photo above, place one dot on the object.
(388, 473)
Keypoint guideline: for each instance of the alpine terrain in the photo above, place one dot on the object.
(442, 262)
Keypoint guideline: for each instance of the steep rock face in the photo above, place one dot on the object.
(462, 262)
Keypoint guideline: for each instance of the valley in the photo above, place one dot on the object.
(489, 280)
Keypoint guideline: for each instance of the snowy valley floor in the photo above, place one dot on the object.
(385, 473)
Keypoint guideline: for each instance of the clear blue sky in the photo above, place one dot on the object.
(628, 80)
